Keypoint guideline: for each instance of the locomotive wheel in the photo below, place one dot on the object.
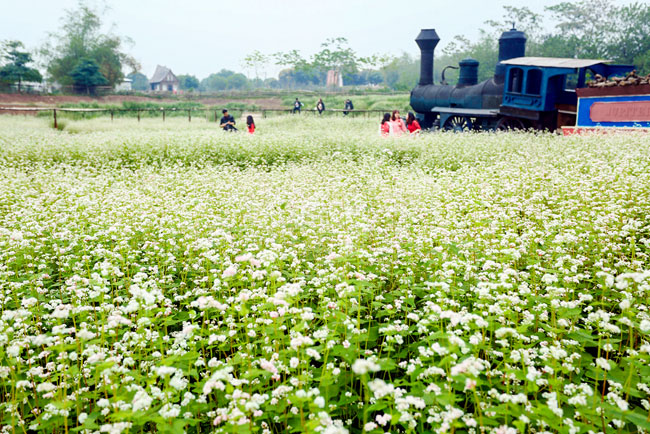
(458, 124)
(510, 124)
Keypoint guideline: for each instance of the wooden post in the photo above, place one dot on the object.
(56, 125)
(111, 115)
(163, 115)
(138, 115)
(215, 116)
(264, 114)
(189, 115)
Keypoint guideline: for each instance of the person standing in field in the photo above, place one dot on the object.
(385, 127)
(320, 106)
(297, 105)
(227, 121)
(397, 124)
(412, 124)
(348, 106)
(250, 123)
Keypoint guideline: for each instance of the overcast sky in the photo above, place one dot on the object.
(201, 37)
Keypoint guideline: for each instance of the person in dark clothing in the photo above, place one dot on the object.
(348, 106)
(297, 105)
(320, 106)
(227, 121)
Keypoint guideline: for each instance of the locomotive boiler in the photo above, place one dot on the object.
(524, 92)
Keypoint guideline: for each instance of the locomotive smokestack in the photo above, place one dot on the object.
(427, 41)
(511, 44)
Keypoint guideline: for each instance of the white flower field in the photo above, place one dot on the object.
(169, 277)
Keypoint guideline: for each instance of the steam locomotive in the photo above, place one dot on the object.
(525, 92)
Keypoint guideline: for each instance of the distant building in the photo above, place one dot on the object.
(124, 86)
(163, 80)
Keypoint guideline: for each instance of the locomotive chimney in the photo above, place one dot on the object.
(511, 44)
(427, 41)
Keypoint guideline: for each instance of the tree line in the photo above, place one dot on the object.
(82, 56)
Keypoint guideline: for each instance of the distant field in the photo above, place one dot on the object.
(239, 100)
(315, 277)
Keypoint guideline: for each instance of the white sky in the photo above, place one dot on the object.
(200, 37)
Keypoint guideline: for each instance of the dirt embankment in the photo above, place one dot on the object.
(57, 100)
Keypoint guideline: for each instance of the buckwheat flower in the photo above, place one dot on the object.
(383, 419)
(23, 384)
(380, 388)
(84, 334)
(82, 417)
(361, 366)
(141, 401)
(28, 303)
(313, 353)
(162, 371)
(178, 382)
(229, 272)
(319, 401)
(169, 411)
(332, 256)
(644, 326)
(115, 428)
(301, 340)
(369, 426)
(603, 364)
(62, 311)
(552, 403)
(504, 429)
(243, 258)
(268, 366)
(294, 362)
(45, 387)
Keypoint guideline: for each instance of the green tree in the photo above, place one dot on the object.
(188, 82)
(86, 75)
(337, 55)
(80, 37)
(16, 70)
(216, 82)
(238, 81)
(140, 81)
(257, 61)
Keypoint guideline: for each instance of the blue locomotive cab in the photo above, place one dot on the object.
(540, 91)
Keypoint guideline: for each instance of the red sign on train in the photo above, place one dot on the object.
(621, 111)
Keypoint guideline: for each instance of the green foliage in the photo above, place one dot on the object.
(335, 54)
(224, 80)
(15, 69)
(188, 82)
(81, 37)
(597, 29)
(86, 75)
(140, 81)
(257, 62)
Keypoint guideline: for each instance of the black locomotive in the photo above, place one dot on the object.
(525, 92)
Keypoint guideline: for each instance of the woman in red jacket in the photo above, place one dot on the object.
(251, 124)
(412, 124)
(385, 127)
